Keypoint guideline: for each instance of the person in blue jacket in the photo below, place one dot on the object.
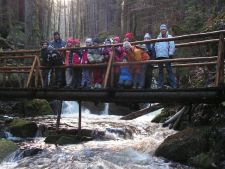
(125, 77)
(165, 50)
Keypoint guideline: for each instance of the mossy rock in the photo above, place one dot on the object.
(66, 139)
(204, 160)
(181, 146)
(6, 148)
(23, 128)
(163, 116)
(37, 107)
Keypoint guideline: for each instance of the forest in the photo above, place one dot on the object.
(25, 23)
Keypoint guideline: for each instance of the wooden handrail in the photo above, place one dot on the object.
(15, 68)
(182, 37)
(135, 63)
(17, 57)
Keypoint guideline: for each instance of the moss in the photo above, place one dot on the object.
(23, 128)
(203, 160)
(163, 116)
(37, 107)
(6, 148)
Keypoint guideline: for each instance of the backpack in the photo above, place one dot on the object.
(54, 59)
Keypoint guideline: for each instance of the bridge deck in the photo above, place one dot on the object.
(199, 95)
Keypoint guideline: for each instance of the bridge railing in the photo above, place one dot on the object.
(216, 37)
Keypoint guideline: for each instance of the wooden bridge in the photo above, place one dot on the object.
(26, 64)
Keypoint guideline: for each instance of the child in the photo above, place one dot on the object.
(77, 72)
(68, 61)
(95, 56)
(125, 78)
(86, 73)
(137, 53)
(119, 56)
(44, 57)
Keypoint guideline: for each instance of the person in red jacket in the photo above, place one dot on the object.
(77, 72)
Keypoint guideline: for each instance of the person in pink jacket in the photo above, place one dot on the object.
(119, 56)
(68, 61)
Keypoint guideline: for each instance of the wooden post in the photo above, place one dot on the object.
(112, 69)
(108, 69)
(39, 71)
(220, 62)
(58, 116)
(31, 72)
(4, 74)
(79, 122)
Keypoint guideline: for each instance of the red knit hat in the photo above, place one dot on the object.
(129, 35)
(116, 38)
(70, 40)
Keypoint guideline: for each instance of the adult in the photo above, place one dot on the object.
(165, 50)
(57, 42)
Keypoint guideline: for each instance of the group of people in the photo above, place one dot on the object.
(125, 76)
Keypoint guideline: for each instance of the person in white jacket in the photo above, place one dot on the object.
(165, 50)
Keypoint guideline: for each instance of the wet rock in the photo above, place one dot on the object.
(165, 114)
(23, 128)
(37, 107)
(183, 145)
(66, 139)
(30, 152)
(6, 148)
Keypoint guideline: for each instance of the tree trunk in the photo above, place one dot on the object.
(32, 30)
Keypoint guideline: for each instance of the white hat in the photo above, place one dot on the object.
(163, 26)
(147, 35)
(88, 40)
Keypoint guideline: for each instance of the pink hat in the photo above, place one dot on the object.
(129, 35)
(116, 38)
(70, 40)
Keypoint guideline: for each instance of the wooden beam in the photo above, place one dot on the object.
(109, 68)
(142, 112)
(31, 72)
(184, 96)
(220, 62)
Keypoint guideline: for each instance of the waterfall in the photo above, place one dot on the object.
(106, 109)
(71, 108)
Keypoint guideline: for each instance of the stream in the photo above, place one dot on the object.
(126, 145)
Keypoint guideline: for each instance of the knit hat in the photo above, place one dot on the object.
(116, 38)
(127, 45)
(147, 36)
(129, 35)
(96, 40)
(163, 26)
(88, 40)
(70, 40)
(107, 41)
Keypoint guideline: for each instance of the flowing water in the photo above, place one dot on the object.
(126, 145)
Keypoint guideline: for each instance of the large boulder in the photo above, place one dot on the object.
(182, 146)
(23, 128)
(6, 148)
(37, 107)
